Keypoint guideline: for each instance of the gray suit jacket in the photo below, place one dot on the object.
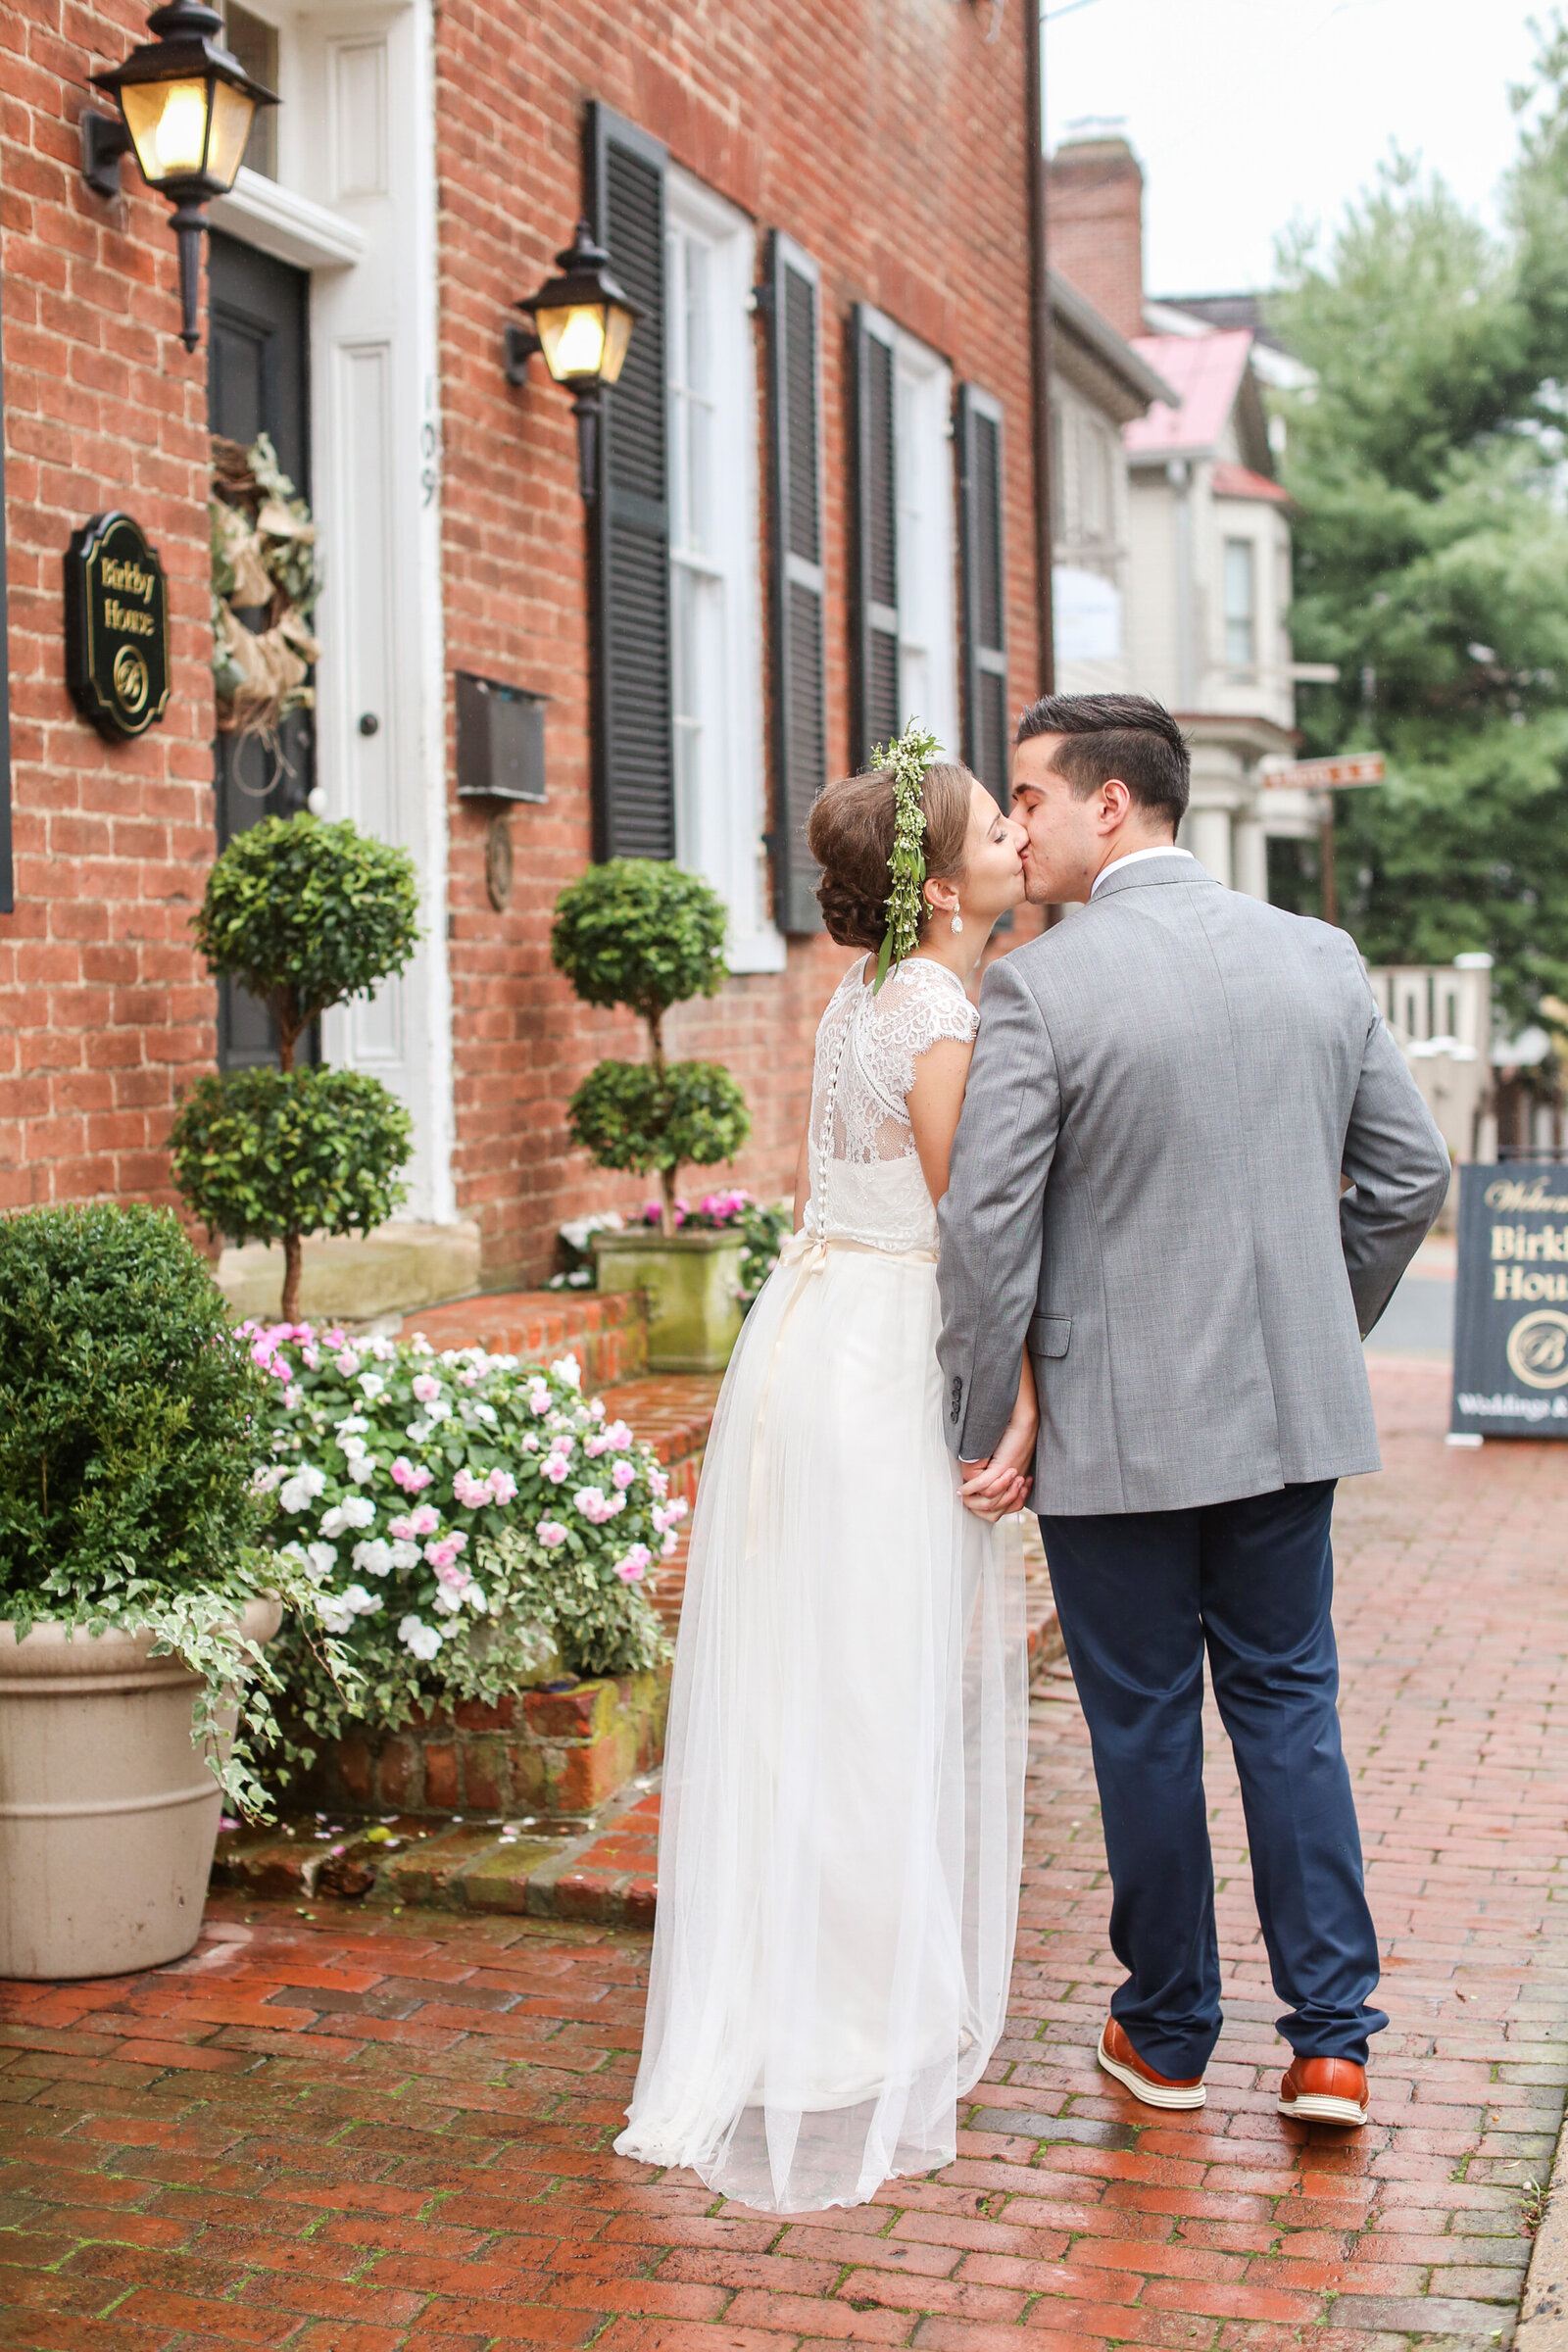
(1144, 1185)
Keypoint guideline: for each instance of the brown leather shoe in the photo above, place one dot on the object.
(1325, 2090)
(1118, 2057)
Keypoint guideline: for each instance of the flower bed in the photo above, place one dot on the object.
(470, 1526)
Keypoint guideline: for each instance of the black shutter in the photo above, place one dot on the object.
(983, 557)
(634, 752)
(876, 553)
(798, 579)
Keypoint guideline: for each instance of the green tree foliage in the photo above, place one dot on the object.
(629, 1115)
(640, 933)
(260, 1154)
(1432, 554)
(304, 915)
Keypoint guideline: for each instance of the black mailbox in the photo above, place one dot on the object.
(501, 740)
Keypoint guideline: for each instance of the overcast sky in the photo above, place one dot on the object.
(1246, 112)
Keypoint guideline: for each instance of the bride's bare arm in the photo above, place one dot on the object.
(934, 1103)
(935, 1100)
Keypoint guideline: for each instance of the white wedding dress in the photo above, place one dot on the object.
(839, 1855)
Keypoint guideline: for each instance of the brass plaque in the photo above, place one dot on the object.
(117, 626)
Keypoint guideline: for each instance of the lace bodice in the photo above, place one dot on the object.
(867, 1180)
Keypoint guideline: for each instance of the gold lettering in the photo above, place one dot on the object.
(127, 576)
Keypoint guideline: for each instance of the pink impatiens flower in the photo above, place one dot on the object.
(470, 1490)
(348, 1363)
(551, 1533)
(556, 1467)
(426, 1387)
(622, 1473)
(635, 1565)
(443, 1554)
(423, 1522)
(617, 1437)
(502, 1487)
(411, 1478)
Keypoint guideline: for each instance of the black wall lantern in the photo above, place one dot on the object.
(186, 105)
(582, 322)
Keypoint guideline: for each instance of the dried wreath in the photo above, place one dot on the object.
(264, 555)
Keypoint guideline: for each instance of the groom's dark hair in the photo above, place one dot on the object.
(1125, 735)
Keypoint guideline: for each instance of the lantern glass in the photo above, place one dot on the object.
(233, 112)
(617, 334)
(168, 125)
(572, 339)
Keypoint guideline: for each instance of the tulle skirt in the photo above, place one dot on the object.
(842, 1818)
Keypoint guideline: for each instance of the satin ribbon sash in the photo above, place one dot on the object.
(811, 1250)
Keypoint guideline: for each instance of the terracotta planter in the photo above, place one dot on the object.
(108, 1815)
(690, 1283)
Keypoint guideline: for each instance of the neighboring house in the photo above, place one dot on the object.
(1208, 541)
(1099, 384)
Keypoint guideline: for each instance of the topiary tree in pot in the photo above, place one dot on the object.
(643, 934)
(134, 1595)
(304, 915)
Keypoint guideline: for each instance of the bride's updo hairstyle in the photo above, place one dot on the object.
(850, 834)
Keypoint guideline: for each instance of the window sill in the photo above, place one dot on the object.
(757, 952)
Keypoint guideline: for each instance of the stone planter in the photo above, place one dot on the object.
(560, 1753)
(690, 1283)
(108, 1815)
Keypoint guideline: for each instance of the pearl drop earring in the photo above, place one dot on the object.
(957, 922)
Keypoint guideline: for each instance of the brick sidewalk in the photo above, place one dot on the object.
(350, 2136)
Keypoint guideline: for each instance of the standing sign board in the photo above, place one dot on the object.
(1510, 1350)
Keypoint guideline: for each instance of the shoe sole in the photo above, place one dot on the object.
(1150, 2094)
(1317, 2107)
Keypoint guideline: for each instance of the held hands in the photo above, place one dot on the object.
(999, 1486)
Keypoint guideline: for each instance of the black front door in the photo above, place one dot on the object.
(258, 381)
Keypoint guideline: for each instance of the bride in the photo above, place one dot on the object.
(839, 1855)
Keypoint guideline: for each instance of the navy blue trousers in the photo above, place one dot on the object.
(1139, 1596)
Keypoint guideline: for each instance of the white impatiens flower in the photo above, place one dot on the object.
(355, 1511)
(263, 1482)
(352, 1425)
(568, 1368)
(363, 1468)
(298, 1491)
(372, 1386)
(320, 1561)
(339, 1610)
(404, 1553)
(375, 1558)
(421, 1639)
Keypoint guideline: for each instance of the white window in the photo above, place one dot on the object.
(1241, 605)
(928, 639)
(713, 553)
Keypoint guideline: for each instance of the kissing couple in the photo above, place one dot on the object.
(1109, 1243)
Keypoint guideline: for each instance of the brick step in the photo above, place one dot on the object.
(605, 1330)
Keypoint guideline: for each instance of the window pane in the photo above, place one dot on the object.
(255, 45)
(1240, 610)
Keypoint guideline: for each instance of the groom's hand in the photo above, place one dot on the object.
(995, 1488)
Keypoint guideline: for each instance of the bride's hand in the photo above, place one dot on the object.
(996, 1487)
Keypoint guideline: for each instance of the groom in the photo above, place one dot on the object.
(1146, 1191)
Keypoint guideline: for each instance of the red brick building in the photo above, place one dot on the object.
(815, 514)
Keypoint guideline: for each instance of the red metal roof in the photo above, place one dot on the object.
(1206, 371)
(1240, 481)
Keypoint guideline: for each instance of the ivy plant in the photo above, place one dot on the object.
(643, 934)
(131, 1421)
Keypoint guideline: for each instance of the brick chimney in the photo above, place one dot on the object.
(1094, 223)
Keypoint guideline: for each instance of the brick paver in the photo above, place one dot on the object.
(342, 2134)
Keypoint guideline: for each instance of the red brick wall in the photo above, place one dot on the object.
(103, 1007)
(1096, 202)
(888, 139)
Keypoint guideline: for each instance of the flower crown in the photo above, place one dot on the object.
(909, 759)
